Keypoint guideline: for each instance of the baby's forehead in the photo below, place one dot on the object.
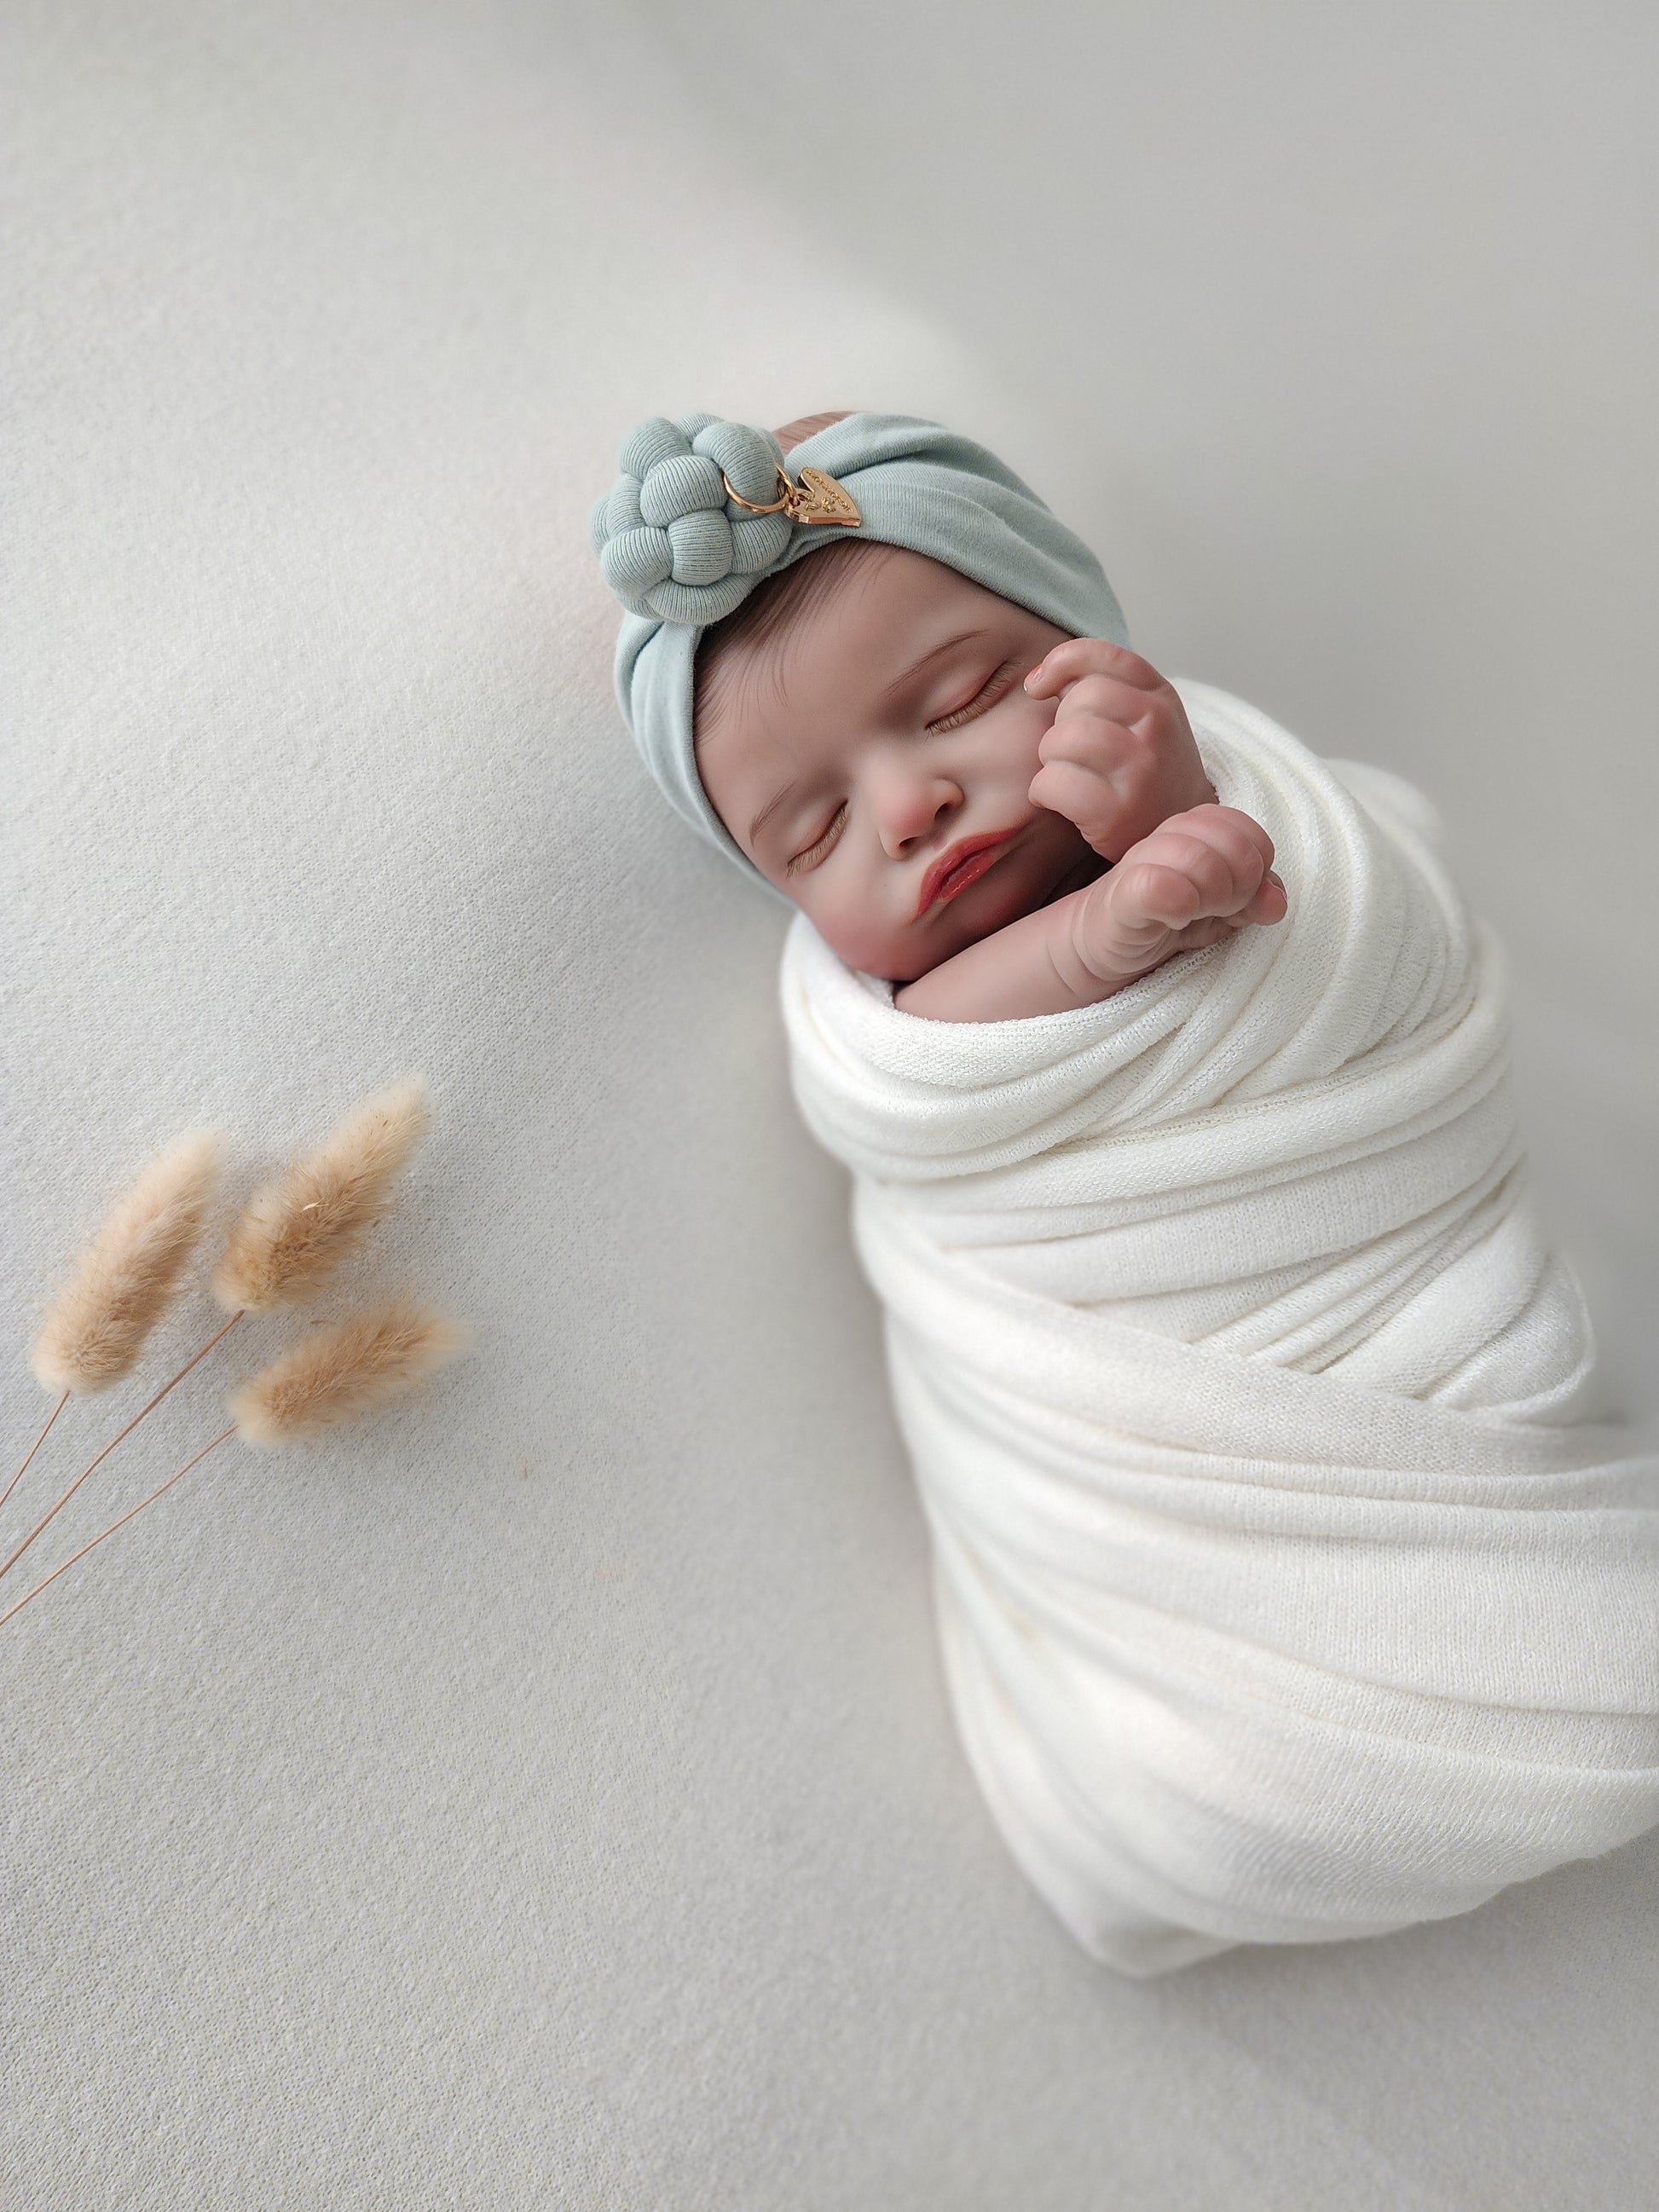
(831, 651)
(857, 604)
(865, 618)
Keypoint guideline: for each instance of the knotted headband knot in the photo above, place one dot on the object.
(671, 542)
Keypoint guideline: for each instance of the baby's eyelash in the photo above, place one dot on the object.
(814, 853)
(981, 700)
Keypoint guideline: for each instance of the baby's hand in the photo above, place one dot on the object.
(1119, 757)
(1202, 876)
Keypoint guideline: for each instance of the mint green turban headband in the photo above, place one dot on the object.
(680, 554)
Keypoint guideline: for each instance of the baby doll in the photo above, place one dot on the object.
(1282, 1594)
(867, 729)
(903, 723)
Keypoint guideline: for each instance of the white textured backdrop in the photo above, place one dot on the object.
(545, 1796)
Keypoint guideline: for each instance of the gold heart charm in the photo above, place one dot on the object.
(816, 498)
(821, 498)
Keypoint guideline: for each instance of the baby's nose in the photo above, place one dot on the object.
(912, 809)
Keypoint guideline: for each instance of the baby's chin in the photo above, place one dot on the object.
(903, 952)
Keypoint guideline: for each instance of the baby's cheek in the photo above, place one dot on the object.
(864, 941)
(1007, 751)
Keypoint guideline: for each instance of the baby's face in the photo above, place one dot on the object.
(885, 731)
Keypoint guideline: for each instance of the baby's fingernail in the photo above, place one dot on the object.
(1035, 673)
(1274, 877)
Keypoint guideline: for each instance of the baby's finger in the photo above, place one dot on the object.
(1090, 656)
(1225, 866)
(1109, 699)
(1254, 831)
(1228, 824)
(1067, 787)
(1166, 893)
(1090, 738)
(1271, 904)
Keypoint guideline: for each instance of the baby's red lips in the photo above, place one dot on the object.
(964, 864)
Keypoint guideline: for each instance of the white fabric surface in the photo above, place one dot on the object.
(548, 1796)
(1282, 1598)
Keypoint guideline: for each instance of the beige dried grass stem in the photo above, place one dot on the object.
(34, 1447)
(334, 1375)
(114, 1525)
(48, 1517)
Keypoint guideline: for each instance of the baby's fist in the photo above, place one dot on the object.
(1200, 877)
(1120, 757)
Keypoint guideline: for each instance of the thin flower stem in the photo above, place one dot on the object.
(35, 1447)
(114, 1525)
(113, 1441)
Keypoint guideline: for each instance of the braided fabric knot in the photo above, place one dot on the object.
(671, 542)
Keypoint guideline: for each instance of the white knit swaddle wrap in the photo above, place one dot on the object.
(1282, 1598)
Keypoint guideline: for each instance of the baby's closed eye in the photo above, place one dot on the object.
(998, 682)
(821, 846)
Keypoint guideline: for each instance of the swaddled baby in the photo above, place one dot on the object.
(1283, 1595)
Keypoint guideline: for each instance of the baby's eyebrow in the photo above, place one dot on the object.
(768, 810)
(932, 654)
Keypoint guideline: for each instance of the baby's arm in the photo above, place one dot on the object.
(1200, 877)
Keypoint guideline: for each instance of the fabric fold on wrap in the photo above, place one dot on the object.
(1286, 1592)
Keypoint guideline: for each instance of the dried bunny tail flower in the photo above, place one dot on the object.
(292, 1234)
(335, 1374)
(99, 1321)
